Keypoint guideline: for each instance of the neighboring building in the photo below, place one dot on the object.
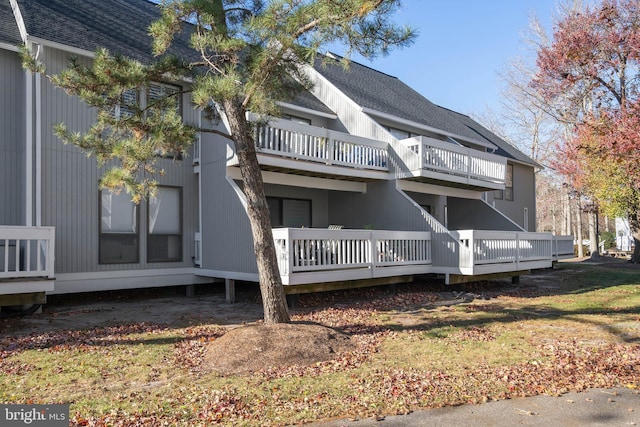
(365, 179)
(624, 239)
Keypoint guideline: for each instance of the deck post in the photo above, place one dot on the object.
(190, 291)
(292, 300)
(230, 290)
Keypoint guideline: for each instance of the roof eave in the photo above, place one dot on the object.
(307, 110)
(417, 125)
(9, 46)
(60, 46)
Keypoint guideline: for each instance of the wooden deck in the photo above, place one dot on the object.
(26, 260)
(310, 256)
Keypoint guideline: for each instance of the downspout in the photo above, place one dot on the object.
(28, 75)
(29, 148)
(38, 113)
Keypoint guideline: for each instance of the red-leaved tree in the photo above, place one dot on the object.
(591, 73)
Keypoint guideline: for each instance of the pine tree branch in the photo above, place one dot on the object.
(215, 132)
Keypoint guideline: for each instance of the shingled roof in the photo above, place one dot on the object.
(121, 26)
(377, 91)
(8, 29)
(504, 148)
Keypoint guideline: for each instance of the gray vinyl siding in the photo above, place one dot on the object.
(436, 202)
(524, 196)
(470, 214)
(227, 244)
(382, 207)
(353, 120)
(12, 140)
(70, 193)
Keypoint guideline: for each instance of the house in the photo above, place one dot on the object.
(367, 181)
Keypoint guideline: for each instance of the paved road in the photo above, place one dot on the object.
(596, 407)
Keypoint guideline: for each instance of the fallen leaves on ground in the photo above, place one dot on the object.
(555, 367)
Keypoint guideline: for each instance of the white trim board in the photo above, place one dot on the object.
(304, 181)
(125, 279)
(307, 110)
(420, 187)
(220, 274)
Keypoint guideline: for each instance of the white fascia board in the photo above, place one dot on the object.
(9, 47)
(521, 162)
(308, 110)
(411, 123)
(61, 46)
(223, 274)
(419, 187)
(304, 181)
(22, 28)
(124, 279)
(82, 52)
(312, 73)
(27, 286)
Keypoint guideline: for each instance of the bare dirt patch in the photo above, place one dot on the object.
(254, 348)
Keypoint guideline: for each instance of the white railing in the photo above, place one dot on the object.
(26, 252)
(444, 157)
(562, 247)
(374, 253)
(315, 144)
(504, 247)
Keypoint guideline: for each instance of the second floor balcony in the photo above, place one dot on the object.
(289, 147)
(445, 163)
(296, 148)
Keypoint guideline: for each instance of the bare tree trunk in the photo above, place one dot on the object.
(593, 234)
(578, 226)
(634, 224)
(566, 222)
(273, 298)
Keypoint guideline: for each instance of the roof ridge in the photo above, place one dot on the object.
(453, 111)
(334, 55)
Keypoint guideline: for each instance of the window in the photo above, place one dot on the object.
(161, 92)
(399, 133)
(507, 193)
(289, 212)
(118, 239)
(127, 105)
(297, 119)
(164, 237)
(158, 91)
(508, 190)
